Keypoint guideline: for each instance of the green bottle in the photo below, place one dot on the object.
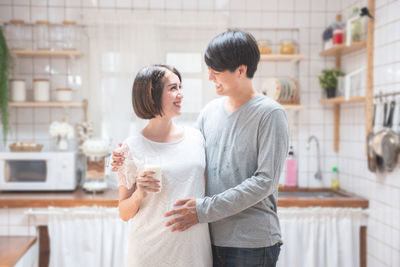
(356, 27)
(334, 179)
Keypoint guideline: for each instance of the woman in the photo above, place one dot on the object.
(157, 96)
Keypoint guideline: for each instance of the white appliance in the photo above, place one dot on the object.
(38, 171)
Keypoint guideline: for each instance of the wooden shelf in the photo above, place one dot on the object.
(47, 104)
(339, 100)
(83, 104)
(278, 57)
(292, 106)
(343, 49)
(338, 51)
(55, 53)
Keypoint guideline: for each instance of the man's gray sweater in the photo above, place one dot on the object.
(245, 154)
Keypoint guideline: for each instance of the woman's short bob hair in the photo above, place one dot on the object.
(231, 49)
(147, 90)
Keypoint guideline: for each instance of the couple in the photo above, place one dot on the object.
(238, 150)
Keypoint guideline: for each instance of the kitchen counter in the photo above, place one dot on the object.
(290, 197)
(12, 248)
(109, 198)
(322, 197)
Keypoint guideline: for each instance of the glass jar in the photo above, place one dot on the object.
(337, 36)
(27, 30)
(264, 46)
(70, 35)
(41, 34)
(41, 90)
(288, 47)
(15, 34)
(56, 36)
(18, 90)
(64, 94)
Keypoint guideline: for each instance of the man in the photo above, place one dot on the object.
(246, 139)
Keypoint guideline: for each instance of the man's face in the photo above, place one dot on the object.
(224, 81)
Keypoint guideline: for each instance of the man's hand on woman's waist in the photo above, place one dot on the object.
(187, 215)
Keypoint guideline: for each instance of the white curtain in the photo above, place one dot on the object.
(320, 237)
(87, 236)
(313, 237)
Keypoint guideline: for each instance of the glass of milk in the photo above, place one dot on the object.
(153, 163)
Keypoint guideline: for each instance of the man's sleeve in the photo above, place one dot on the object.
(273, 139)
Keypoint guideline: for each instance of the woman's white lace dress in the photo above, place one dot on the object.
(182, 164)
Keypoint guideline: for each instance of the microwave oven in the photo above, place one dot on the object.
(38, 171)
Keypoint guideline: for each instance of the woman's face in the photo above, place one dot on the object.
(172, 95)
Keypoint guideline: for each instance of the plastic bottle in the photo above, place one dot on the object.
(335, 179)
(291, 169)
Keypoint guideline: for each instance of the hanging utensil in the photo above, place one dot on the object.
(390, 145)
(377, 140)
(370, 150)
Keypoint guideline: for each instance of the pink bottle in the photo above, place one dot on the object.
(291, 170)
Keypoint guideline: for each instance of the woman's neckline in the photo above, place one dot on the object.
(166, 143)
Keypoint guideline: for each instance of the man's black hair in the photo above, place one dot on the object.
(231, 49)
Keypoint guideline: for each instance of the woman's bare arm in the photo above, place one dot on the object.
(129, 202)
(130, 199)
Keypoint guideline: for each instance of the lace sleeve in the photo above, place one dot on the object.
(127, 173)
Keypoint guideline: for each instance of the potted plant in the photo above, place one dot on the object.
(4, 67)
(329, 80)
(63, 131)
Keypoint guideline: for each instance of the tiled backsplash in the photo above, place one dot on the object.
(383, 191)
(15, 222)
(311, 17)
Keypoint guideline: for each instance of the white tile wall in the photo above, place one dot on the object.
(175, 4)
(285, 5)
(5, 13)
(384, 225)
(219, 4)
(59, 3)
(15, 222)
(56, 14)
(107, 3)
(311, 17)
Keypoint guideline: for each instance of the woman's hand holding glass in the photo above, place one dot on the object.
(149, 180)
(146, 183)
